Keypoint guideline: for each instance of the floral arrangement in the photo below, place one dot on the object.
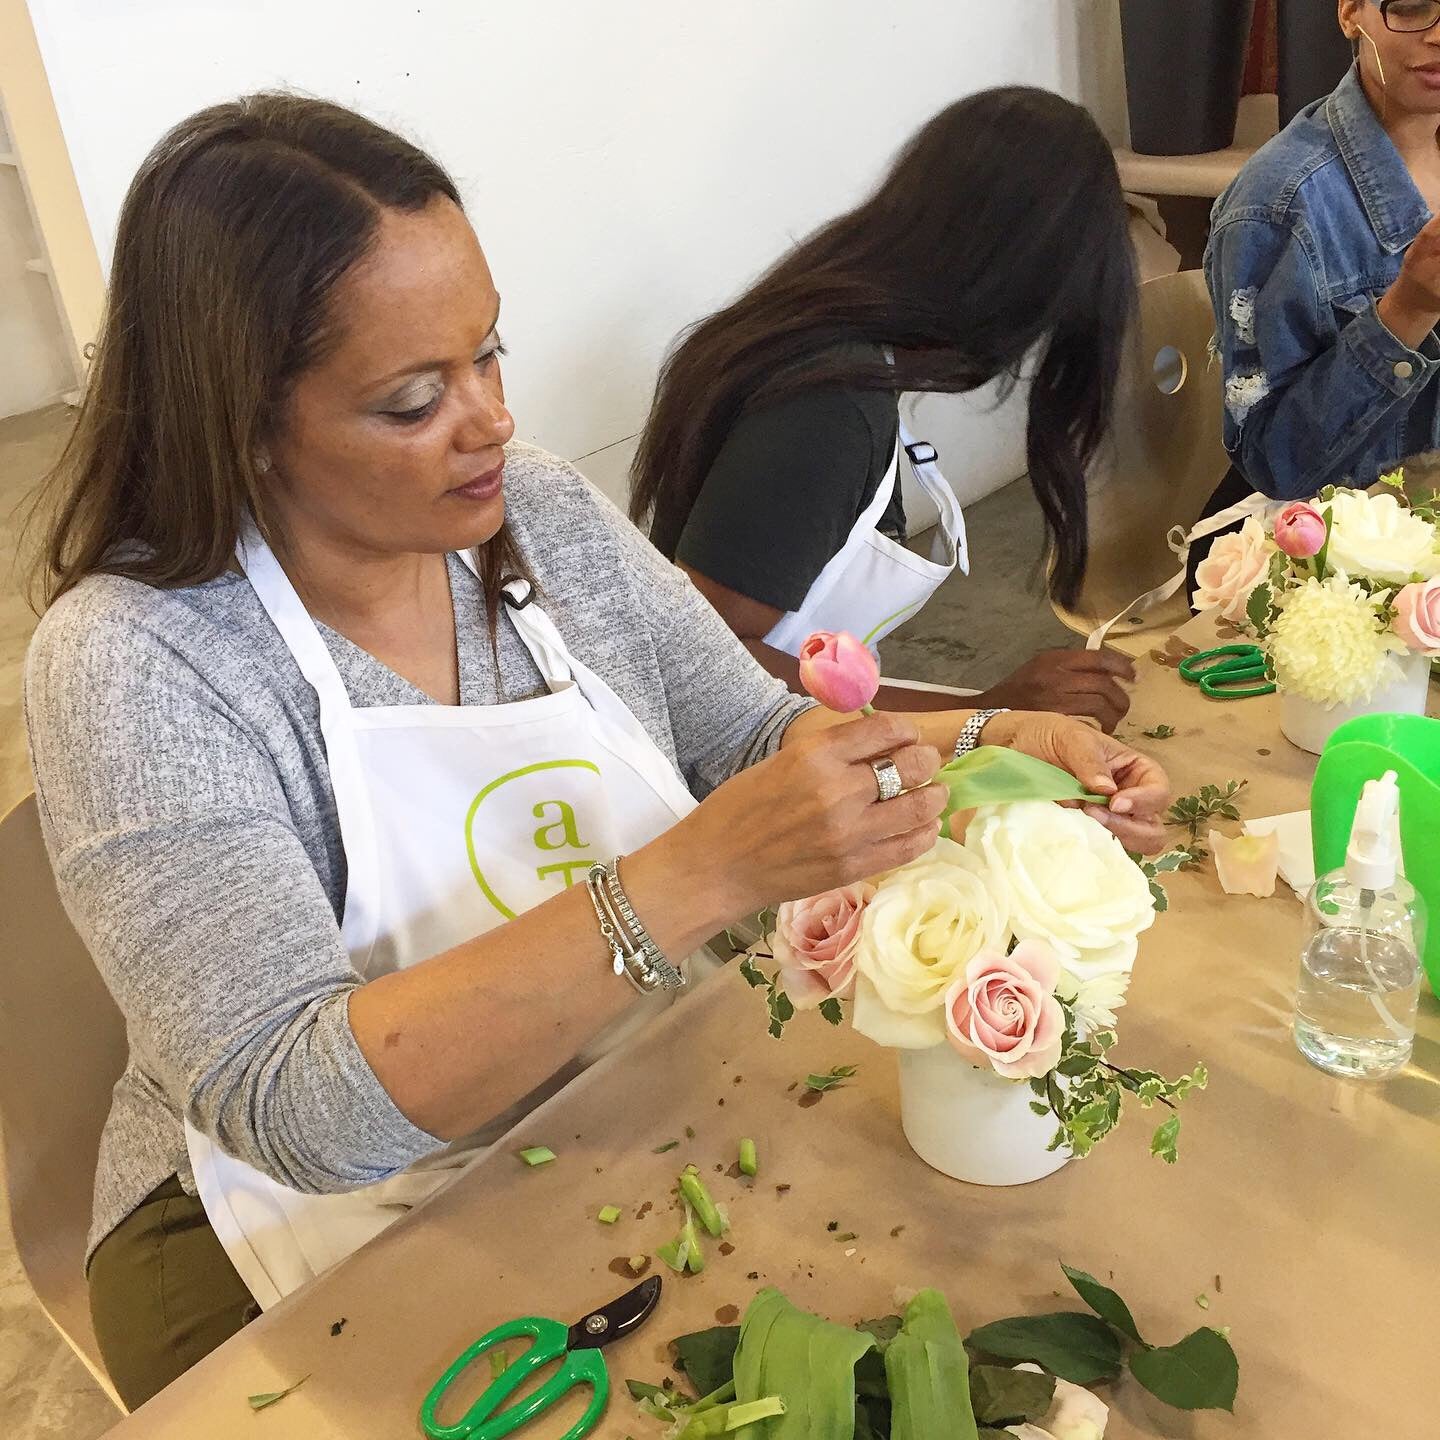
(1333, 591)
(1013, 943)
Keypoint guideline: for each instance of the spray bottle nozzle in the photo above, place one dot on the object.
(1373, 858)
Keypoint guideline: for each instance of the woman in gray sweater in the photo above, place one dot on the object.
(343, 709)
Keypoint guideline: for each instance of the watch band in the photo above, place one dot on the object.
(970, 730)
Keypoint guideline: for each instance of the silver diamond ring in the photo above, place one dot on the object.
(887, 777)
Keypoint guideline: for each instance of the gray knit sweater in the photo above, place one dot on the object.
(187, 807)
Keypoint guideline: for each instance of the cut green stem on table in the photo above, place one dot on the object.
(698, 1197)
(665, 1149)
(609, 1214)
(1159, 732)
(749, 1160)
(537, 1155)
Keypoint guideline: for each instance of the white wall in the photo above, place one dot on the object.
(33, 367)
(628, 166)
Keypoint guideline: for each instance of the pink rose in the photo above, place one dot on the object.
(1417, 618)
(1236, 564)
(815, 942)
(1300, 530)
(1003, 1011)
(838, 671)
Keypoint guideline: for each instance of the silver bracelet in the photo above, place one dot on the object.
(669, 977)
(624, 961)
(970, 730)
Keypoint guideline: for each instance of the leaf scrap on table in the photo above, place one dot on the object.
(832, 1078)
(1159, 732)
(267, 1398)
(1208, 803)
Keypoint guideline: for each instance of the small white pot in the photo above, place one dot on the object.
(1309, 725)
(973, 1124)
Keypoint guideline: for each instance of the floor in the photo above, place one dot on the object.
(971, 633)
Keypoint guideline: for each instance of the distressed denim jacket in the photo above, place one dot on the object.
(1309, 236)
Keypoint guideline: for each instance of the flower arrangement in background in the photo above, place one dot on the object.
(1334, 591)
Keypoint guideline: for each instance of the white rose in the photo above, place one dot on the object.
(926, 922)
(1074, 1414)
(1236, 564)
(1377, 537)
(1064, 878)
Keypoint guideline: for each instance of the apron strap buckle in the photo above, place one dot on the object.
(922, 452)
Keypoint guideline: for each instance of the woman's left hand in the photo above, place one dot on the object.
(1138, 787)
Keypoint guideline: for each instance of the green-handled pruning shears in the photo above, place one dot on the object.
(577, 1347)
(1225, 673)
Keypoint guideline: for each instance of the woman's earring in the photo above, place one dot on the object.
(1379, 65)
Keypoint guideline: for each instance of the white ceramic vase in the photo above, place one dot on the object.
(1309, 725)
(972, 1124)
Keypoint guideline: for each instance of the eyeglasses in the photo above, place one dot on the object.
(1410, 17)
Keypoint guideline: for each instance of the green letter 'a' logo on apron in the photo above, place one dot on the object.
(544, 839)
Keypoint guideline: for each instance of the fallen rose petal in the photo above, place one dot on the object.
(1246, 864)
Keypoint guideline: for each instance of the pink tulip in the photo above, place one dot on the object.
(839, 671)
(1417, 616)
(1300, 530)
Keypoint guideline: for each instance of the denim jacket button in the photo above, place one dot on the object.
(1403, 370)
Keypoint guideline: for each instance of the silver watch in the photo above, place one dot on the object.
(970, 730)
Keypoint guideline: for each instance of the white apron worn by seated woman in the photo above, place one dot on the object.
(873, 583)
(453, 819)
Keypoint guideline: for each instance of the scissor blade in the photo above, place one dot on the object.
(618, 1318)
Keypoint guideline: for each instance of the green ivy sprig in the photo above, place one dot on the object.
(1089, 1107)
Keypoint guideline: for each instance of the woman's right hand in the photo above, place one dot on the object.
(1410, 308)
(810, 818)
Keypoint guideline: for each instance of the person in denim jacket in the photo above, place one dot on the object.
(1324, 270)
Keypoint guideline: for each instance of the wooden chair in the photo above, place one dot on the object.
(1164, 460)
(63, 1042)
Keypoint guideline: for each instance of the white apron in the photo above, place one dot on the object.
(453, 820)
(873, 583)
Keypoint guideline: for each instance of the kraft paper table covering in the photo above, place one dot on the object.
(1312, 1199)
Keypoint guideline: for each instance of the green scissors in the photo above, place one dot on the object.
(577, 1347)
(1223, 673)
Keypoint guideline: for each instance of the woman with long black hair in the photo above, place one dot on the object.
(996, 248)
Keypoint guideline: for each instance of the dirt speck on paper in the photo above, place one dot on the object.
(339, 1325)
(738, 1080)
(645, 1209)
(896, 1233)
(753, 1275)
(792, 1087)
(727, 1314)
(735, 1172)
(811, 1098)
(726, 1248)
(1262, 751)
(782, 1189)
(721, 1102)
(1218, 1288)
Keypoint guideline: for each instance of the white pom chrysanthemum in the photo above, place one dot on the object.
(1329, 643)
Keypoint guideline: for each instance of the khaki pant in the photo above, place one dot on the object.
(163, 1293)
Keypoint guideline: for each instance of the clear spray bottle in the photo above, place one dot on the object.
(1360, 968)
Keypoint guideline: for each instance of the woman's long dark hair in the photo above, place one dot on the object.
(232, 238)
(998, 240)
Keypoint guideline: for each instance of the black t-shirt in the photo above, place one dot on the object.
(786, 489)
